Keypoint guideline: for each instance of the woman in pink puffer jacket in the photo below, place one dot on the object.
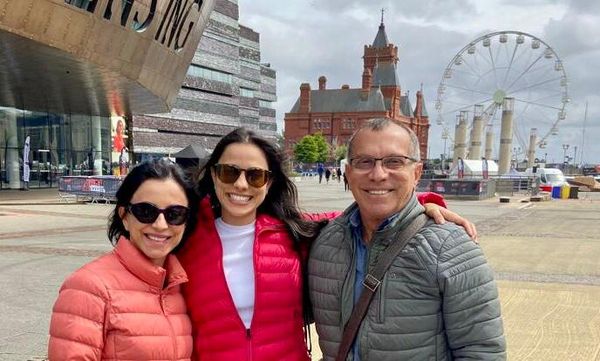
(127, 304)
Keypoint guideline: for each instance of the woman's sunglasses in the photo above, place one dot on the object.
(148, 213)
(256, 177)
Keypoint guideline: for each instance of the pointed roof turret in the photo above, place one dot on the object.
(381, 39)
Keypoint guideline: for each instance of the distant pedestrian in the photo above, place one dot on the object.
(346, 187)
(320, 171)
(338, 172)
(327, 174)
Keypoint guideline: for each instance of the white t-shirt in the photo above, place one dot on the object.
(238, 264)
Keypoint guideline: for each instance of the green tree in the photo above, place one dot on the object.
(340, 152)
(311, 149)
(305, 150)
(323, 148)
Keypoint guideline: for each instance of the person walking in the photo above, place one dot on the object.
(388, 284)
(127, 304)
(320, 171)
(346, 187)
(327, 174)
(338, 172)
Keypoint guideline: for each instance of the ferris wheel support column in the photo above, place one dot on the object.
(489, 144)
(531, 150)
(476, 132)
(460, 137)
(506, 135)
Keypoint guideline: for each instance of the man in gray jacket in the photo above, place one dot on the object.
(437, 301)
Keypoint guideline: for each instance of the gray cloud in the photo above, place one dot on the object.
(423, 9)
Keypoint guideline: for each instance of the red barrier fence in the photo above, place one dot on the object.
(93, 188)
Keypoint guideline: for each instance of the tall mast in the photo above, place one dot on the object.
(583, 134)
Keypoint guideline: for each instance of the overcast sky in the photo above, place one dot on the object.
(303, 39)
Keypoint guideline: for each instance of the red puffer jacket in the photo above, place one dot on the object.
(115, 308)
(219, 334)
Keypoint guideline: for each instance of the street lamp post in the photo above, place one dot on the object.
(516, 152)
(565, 147)
(445, 138)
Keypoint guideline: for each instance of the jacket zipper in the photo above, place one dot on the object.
(249, 344)
(171, 331)
(254, 255)
(248, 330)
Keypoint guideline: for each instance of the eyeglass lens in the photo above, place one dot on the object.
(391, 162)
(229, 174)
(148, 213)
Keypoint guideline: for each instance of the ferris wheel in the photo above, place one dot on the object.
(499, 65)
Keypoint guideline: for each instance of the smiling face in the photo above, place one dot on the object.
(381, 192)
(239, 201)
(155, 240)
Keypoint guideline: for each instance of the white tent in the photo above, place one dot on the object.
(474, 169)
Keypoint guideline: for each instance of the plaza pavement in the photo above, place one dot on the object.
(546, 257)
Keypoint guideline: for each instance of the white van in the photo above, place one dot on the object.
(548, 176)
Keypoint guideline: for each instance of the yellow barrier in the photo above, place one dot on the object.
(564, 192)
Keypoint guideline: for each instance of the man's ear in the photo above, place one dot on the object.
(418, 172)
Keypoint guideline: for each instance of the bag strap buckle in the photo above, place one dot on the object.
(371, 282)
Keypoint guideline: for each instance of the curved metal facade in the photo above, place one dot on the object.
(97, 57)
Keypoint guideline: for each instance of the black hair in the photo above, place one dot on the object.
(155, 169)
(281, 201)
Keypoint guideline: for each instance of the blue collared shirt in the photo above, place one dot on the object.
(361, 254)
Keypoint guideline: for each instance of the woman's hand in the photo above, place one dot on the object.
(440, 215)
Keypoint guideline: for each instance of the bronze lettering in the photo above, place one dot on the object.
(178, 46)
(123, 7)
(175, 27)
(143, 26)
(174, 20)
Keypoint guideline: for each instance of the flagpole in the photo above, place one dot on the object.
(583, 134)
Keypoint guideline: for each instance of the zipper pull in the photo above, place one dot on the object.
(248, 334)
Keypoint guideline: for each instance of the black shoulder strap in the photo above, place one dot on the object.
(372, 282)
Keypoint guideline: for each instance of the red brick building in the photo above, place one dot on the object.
(336, 113)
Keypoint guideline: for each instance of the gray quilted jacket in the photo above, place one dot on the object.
(440, 301)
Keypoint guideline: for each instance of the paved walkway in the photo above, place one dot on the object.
(546, 257)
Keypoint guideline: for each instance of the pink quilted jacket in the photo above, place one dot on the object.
(115, 308)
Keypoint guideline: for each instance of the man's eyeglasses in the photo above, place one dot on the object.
(393, 162)
(256, 177)
(148, 213)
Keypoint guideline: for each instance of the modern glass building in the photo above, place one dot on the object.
(72, 73)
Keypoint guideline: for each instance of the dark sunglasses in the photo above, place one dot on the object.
(256, 177)
(148, 213)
